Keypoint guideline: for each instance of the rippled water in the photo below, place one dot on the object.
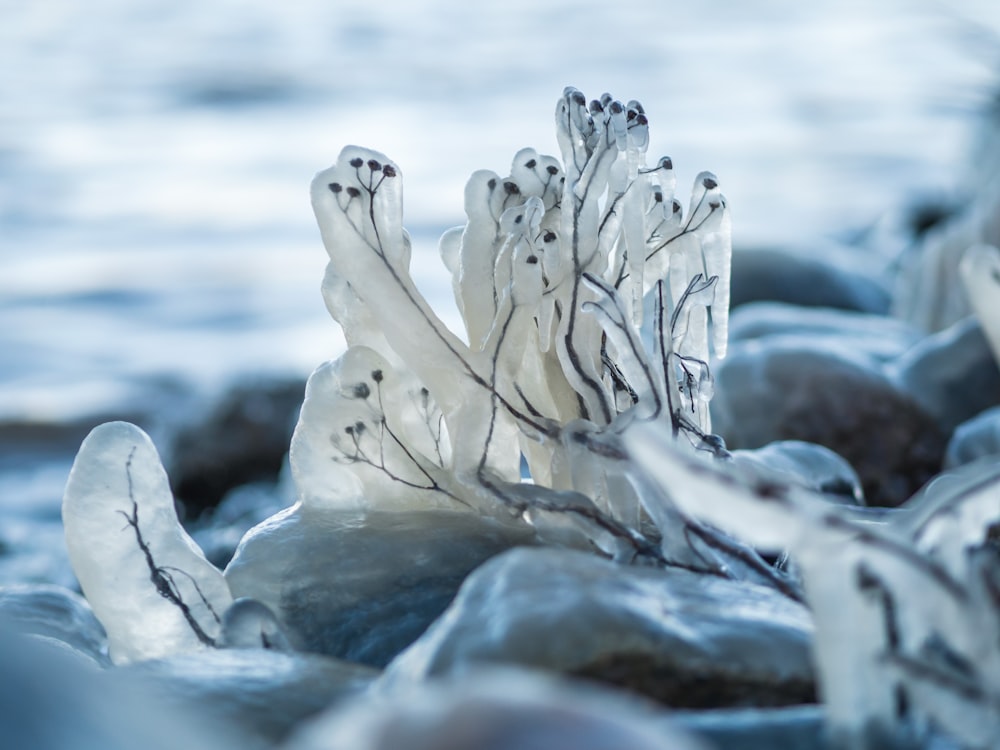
(155, 156)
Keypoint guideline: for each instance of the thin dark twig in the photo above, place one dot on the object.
(161, 577)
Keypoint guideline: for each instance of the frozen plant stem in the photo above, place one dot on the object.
(549, 274)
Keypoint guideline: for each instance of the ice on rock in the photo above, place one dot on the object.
(682, 638)
(906, 631)
(362, 586)
(144, 577)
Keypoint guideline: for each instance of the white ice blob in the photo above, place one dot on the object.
(145, 578)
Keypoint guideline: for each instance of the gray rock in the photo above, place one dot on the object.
(776, 389)
(264, 693)
(496, 709)
(363, 587)
(242, 439)
(684, 639)
(806, 279)
(55, 612)
(874, 336)
(951, 374)
(977, 438)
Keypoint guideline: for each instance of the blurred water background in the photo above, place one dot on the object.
(156, 238)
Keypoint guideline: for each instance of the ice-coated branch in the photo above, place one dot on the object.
(907, 616)
(163, 578)
(146, 579)
(549, 273)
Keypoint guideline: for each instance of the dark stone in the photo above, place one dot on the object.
(683, 639)
(952, 374)
(680, 687)
(786, 390)
(802, 279)
(363, 588)
(243, 439)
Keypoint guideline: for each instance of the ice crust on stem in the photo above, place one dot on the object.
(145, 578)
(549, 274)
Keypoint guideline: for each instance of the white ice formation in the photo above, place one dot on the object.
(550, 273)
(146, 580)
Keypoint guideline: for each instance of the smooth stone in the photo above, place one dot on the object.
(58, 613)
(805, 279)
(262, 692)
(809, 465)
(874, 336)
(951, 374)
(974, 439)
(362, 587)
(496, 709)
(51, 699)
(681, 638)
(242, 439)
(774, 389)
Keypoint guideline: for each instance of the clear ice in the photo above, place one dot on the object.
(145, 578)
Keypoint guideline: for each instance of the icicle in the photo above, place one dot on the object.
(717, 247)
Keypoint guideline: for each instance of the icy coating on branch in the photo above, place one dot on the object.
(550, 274)
(146, 579)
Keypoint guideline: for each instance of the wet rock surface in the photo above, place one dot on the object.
(359, 586)
(683, 639)
(776, 389)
